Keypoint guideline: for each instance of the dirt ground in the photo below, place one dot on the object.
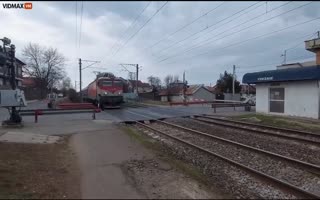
(43, 171)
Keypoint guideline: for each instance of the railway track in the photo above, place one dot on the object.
(290, 134)
(283, 183)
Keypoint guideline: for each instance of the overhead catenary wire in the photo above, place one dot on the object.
(204, 42)
(258, 23)
(80, 31)
(244, 41)
(207, 28)
(76, 45)
(132, 36)
(77, 28)
(296, 45)
(278, 63)
(186, 25)
(129, 27)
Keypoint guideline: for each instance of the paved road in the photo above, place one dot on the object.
(125, 114)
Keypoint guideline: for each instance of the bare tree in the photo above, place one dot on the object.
(154, 81)
(45, 64)
(168, 80)
(176, 78)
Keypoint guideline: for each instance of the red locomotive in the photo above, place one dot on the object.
(106, 91)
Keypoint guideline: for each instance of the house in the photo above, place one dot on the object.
(5, 75)
(247, 89)
(292, 89)
(192, 93)
(142, 87)
(31, 89)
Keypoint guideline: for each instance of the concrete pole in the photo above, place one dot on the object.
(80, 70)
(233, 78)
(184, 87)
(137, 75)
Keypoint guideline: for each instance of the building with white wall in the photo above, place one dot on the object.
(291, 89)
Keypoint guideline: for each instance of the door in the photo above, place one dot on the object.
(276, 100)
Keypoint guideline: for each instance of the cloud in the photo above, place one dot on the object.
(104, 23)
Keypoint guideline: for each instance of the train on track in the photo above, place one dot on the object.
(106, 91)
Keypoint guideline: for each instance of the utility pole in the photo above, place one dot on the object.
(318, 34)
(137, 75)
(233, 78)
(80, 70)
(80, 73)
(184, 87)
(284, 56)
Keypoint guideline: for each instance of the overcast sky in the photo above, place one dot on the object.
(218, 40)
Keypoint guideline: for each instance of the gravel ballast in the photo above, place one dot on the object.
(239, 183)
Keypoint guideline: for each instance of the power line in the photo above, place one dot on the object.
(275, 63)
(263, 35)
(296, 59)
(296, 45)
(76, 66)
(186, 25)
(80, 25)
(77, 28)
(251, 19)
(140, 28)
(211, 26)
(258, 23)
(128, 28)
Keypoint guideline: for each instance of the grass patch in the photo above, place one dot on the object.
(158, 149)
(280, 121)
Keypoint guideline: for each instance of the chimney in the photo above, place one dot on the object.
(314, 46)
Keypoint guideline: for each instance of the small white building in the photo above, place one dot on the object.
(291, 89)
(193, 93)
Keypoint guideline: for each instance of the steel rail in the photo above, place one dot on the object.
(265, 126)
(271, 178)
(266, 132)
(295, 161)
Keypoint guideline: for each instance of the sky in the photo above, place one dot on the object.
(202, 38)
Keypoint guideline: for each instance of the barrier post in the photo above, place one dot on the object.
(36, 113)
(94, 114)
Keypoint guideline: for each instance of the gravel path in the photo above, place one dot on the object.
(278, 168)
(300, 151)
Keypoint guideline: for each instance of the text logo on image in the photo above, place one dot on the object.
(27, 6)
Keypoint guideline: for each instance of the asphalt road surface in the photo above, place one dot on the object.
(126, 113)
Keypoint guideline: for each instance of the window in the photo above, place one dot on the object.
(1, 81)
(276, 100)
(117, 83)
(19, 72)
(105, 83)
